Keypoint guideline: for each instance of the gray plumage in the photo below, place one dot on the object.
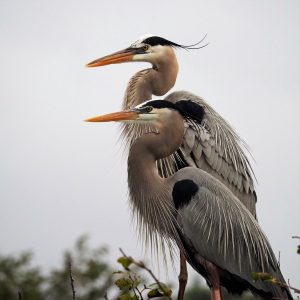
(215, 147)
(205, 219)
(212, 145)
(214, 224)
(227, 235)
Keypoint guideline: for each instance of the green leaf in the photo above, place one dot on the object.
(125, 262)
(263, 276)
(166, 290)
(128, 297)
(123, 284)
(155, 293)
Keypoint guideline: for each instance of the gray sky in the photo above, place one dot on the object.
(61, 177)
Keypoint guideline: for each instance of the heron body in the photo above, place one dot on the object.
(217, 233)
(210, 144)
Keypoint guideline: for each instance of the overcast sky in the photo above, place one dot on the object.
(61, 177)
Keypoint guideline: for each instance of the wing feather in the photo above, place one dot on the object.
(215, 147)
(223, 231)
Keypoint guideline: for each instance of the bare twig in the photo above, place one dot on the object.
(295, 237)
(143, 266)
(133, 280)
(297, 291)
(72, 279)
(140, 293)
(283, 284)
(144, 288)
(20, 295)
(135, 293)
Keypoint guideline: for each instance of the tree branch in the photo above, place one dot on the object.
(72, 279)
(143, 266)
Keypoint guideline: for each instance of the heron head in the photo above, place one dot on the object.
(148, 48)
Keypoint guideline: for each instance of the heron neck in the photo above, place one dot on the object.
(151, 195)
(142, 170)
(164, 74)
(154, 81)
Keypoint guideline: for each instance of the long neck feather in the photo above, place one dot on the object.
(145, 83)
(153, 81)
(151, 195)
(138, 89)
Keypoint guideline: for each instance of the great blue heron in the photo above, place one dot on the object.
(211, 145)
(219, 236)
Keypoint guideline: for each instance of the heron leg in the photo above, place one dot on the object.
(216, 294)
(183, 276)
(214, 279)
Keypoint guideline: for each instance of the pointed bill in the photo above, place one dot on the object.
(115, 117)
(114, 58)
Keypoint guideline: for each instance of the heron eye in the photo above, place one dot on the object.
(146, 47)
(149, 109)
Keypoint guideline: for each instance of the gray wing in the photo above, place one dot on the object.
(221, 230)
(215, 147)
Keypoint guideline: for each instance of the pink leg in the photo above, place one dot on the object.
(216, 294)
(183, 276)
(214, 279)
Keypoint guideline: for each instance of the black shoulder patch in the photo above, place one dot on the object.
(156, 40)
(183, 191)
(190, 109)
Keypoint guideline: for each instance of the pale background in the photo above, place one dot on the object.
(61, 177)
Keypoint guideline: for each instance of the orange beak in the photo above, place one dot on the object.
(115, 58)
(117, 116)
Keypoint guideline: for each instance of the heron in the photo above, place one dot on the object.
(211, 145)
(218, 235)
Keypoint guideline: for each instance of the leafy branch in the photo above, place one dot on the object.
(131, 285)
(269, 278)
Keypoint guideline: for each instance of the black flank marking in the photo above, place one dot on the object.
(156, 40)
(183, 191)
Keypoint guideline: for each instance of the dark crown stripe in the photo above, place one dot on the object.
(187, 109)
(156, 40)
(160, 104)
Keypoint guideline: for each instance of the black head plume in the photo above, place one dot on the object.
(156, 40)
